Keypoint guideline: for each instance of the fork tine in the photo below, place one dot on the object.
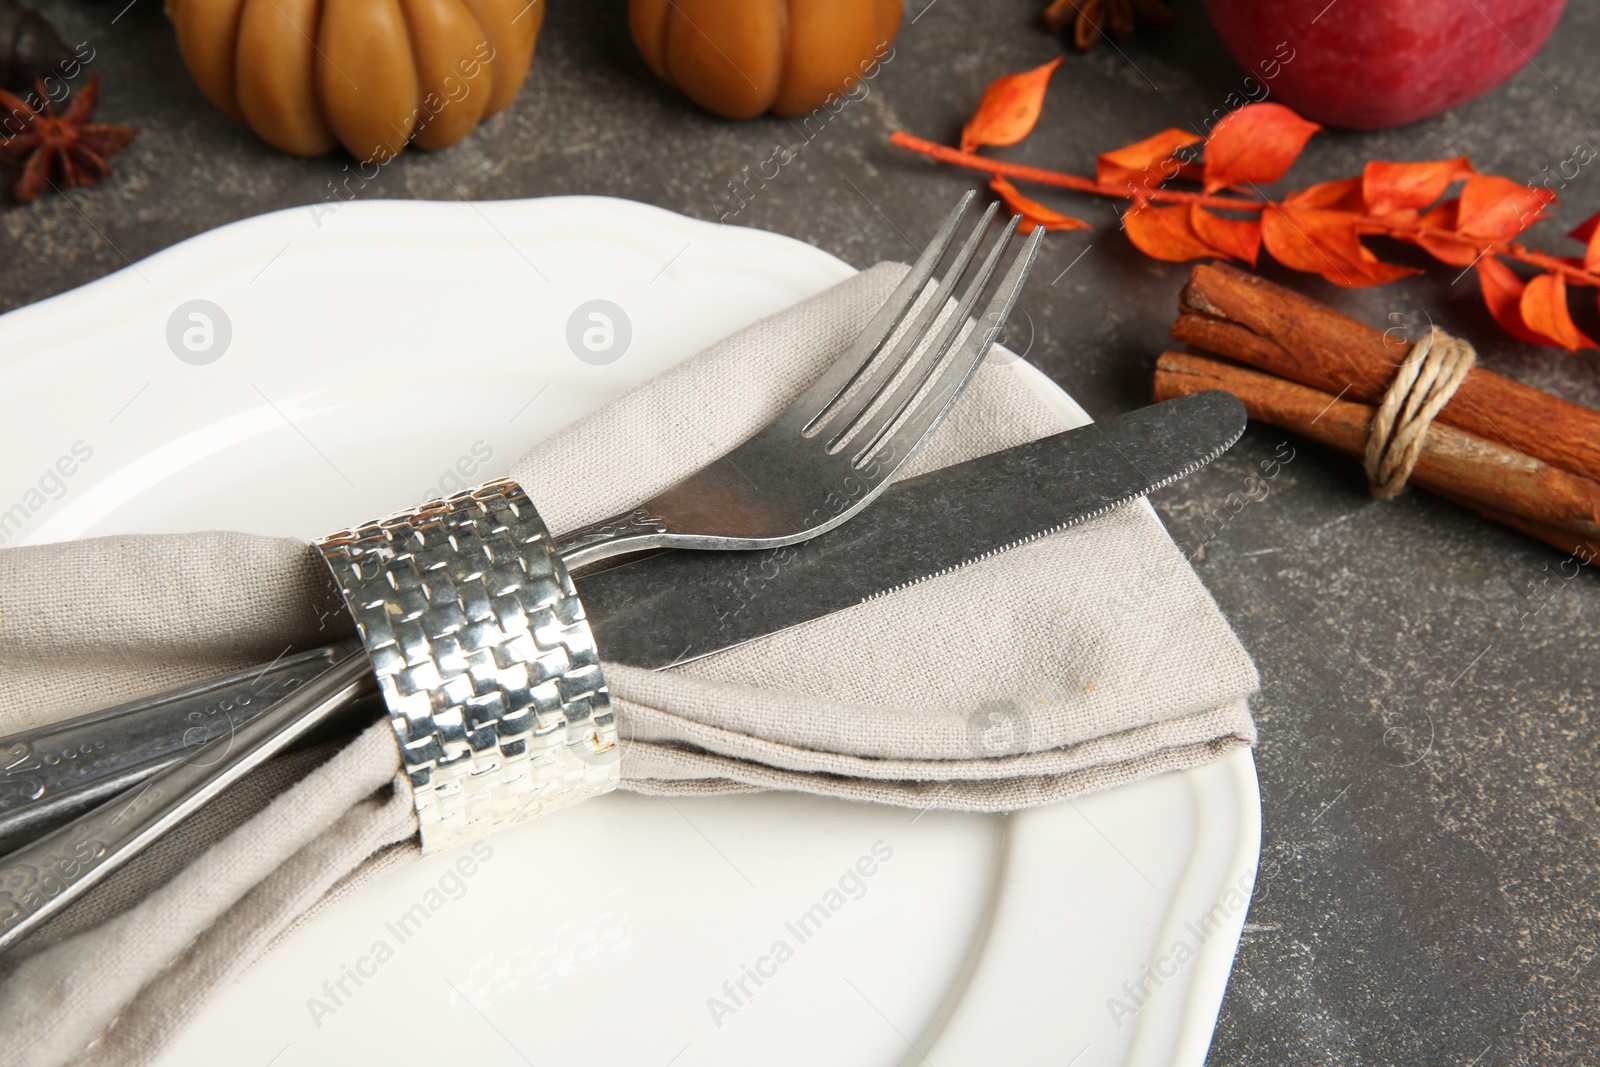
(838, 377)
(878, 379)
(937, 348)
(942, 397)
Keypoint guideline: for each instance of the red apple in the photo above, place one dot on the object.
(1372, 64)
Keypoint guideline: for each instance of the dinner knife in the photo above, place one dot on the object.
(656, 612)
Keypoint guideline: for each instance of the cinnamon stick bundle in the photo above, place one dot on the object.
(1538, 498)
(1249, 319)
(1510, 452)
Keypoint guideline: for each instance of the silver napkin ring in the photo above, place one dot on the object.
(484, 659)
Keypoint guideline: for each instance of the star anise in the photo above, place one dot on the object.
(62, 150)
(1089, 18)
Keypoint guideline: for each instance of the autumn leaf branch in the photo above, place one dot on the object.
(1317, 230)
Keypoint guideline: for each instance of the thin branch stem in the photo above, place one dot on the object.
(1509, 249)
(1039, 176)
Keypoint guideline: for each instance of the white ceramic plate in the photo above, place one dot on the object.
(384, 350)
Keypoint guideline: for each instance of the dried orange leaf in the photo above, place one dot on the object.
(1257, 143)
(1388, 188)
(1380, 273)
(1499, 208)
(1443, 243)
(1589, 233)
(1009, 108)
(1455, 251)
(1544, 309)
(1165, 233)
(1327, 243)
(1141, 164)
(1288, 231)
(1502, 295)
(1239, 240)
(1035, 214)
(1342, 195)
(1443, 216)
(1586, 229)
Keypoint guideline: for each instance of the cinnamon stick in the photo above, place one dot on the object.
(1236, 314)
(1584, 549)
(1453, 463)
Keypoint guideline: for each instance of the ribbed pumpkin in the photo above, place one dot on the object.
(372, 75)
(740, 58)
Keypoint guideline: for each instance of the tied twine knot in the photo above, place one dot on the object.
(1433, 370)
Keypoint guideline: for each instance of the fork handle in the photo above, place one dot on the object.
(631, 531)
(40, 879)
(52, 773)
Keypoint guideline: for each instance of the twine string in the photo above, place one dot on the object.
(1433, 370)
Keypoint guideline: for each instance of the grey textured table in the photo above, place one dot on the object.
(1431, 855)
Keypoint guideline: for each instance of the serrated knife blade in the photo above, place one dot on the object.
(678, 606)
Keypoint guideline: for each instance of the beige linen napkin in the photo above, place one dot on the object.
(1081, 661)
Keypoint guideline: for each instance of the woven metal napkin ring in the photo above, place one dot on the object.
(484, 658)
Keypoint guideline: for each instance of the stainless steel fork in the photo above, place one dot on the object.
(837, 446)
(821, 461)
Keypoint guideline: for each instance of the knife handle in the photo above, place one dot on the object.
(41, 878)
(52, 773)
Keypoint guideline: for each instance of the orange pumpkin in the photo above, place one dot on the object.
(740, 58)
(372, 75)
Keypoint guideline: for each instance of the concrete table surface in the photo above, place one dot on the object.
(1431, 854)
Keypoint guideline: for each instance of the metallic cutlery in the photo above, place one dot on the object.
(822, 460)
(835, 448)
(674, 607)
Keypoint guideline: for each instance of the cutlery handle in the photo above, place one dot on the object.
(631, 531)
(41, 878)
(186, 747)
(52, 773)
(56, 772)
